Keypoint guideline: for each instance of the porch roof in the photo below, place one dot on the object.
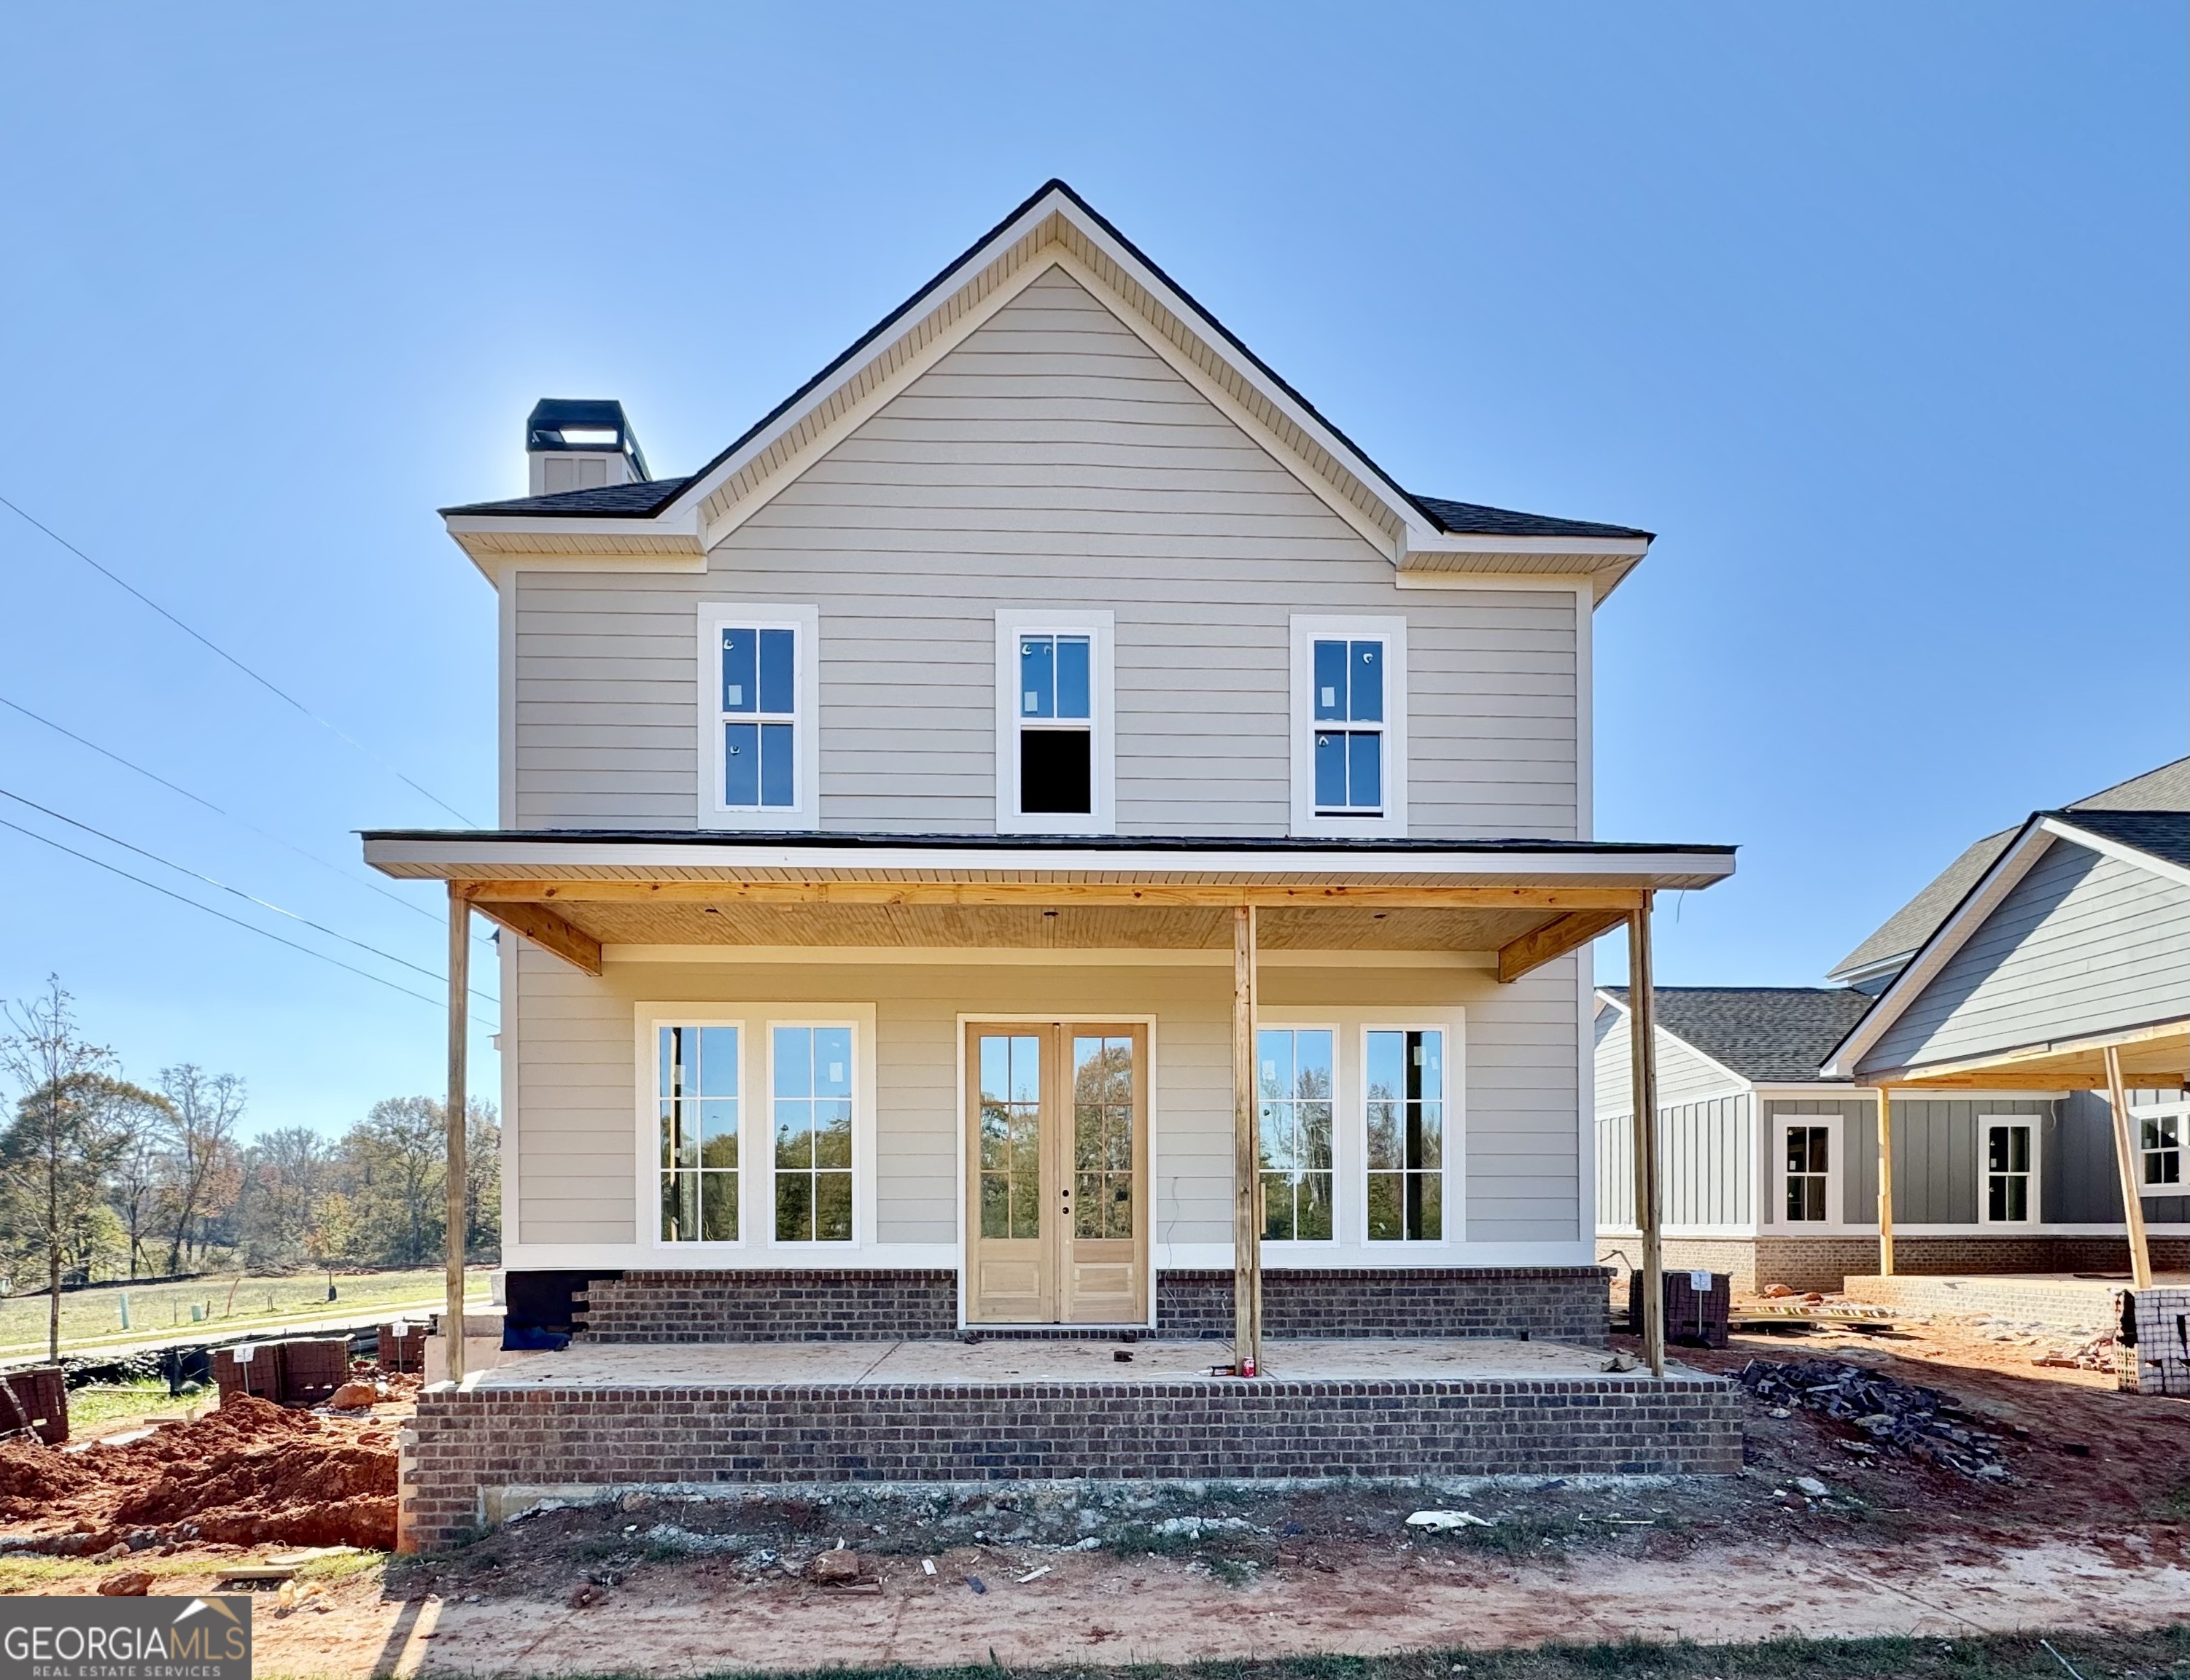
(573, 892)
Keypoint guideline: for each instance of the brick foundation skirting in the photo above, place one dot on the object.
(1826, 1262)
(466, 1443)
(1562, 1303)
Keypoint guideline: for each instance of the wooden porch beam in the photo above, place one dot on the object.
(546, 929)
(1576, 928)
(1048, 895)
(2127, 1157)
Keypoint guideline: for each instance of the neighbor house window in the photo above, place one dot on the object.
(1294, 1089)
(1053, 767)
(810, 1087)
(1808, 1167)
(1405, 1089)
(1349, 725)
(2009, 1192)
(759, 698)
(2159, 1140)
(696, 1089)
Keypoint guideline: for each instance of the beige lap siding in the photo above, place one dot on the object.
(569, 1064)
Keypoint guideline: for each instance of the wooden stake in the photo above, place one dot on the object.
(2126, 1157)
(1885, 1182)
(1246, 1156)
(1641, 1028)
(453, 1318)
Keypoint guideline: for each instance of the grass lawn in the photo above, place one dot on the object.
(91, 1317)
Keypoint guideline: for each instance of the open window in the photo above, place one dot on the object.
(759, 701)
(1054, 773)
(1349, 726)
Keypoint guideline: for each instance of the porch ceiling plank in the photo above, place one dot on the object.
(1553, 940)
(549, 931)
(980, 893)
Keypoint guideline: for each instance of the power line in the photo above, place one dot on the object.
(224, 916)
(267, 683)
(238, 892)
(199, 799)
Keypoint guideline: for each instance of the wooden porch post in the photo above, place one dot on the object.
(1641, 1025)
(1246, 1164)
(452, 1317)
(2125, 1157)
(1885, 1182)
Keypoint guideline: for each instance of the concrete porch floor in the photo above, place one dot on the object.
(889, 1363)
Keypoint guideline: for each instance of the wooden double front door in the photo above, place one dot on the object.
(1057, 1153)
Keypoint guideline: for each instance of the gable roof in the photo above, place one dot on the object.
(1768, 1034)
(1054, 227)
(1901, 935)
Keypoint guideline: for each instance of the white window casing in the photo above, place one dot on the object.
(1347, 729)
(759, 720)
(760, 1030)
(1020, 710)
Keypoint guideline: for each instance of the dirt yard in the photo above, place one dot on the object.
(1827, 1532)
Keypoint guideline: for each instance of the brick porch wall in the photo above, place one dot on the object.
(466, 1442)
(1552, 1303)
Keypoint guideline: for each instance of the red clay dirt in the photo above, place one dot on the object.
(248, 1474)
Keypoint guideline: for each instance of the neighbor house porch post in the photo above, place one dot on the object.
(2125, 1157)
(1641, 1032)
(452, 1317)
(1246, 1157)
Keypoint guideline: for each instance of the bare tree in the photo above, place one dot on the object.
(203, 1110)
(52, 1149)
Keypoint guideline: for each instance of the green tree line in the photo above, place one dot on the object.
(101, 1177)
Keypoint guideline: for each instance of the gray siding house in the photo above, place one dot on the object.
(1983, 1010)
(1040, 754)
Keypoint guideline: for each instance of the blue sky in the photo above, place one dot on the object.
(1873, 313)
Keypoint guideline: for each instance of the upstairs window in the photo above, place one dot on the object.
(1349, 726)
(759, 698)
(1053, 712)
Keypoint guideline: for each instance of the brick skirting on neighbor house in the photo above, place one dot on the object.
(1561, 1303)
(468, 1442)
(1826, 1262)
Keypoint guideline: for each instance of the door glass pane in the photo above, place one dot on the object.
(1010, 1172)
(1102, 1135)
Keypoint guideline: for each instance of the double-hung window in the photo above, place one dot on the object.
(1296, 1089)
(1405, 1078)
(756, 715)
(1349, 760)
(1053, 722)
(2159, 1145)
(696, 1092)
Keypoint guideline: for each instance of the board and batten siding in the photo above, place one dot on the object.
(573, 1084)
(1051, 460)
(2084, 944)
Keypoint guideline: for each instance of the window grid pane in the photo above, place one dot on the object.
(810, 1068)
(697, 1096)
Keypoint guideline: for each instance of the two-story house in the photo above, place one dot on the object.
(1041, 831)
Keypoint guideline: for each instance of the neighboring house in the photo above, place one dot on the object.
(896, 812)
(1984, 1006)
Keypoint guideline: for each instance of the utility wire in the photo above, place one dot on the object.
(270, 687)
(224, 916)
(199, 799)
(238, 892)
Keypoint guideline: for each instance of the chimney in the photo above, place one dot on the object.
(573, 442)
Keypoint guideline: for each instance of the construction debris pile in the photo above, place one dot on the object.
(1897, 1416)
(249, 1472)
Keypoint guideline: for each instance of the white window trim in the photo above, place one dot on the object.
(1307, 629)
(1775, 1206)
(2141, 1112)
(804, 811)
(757, 1244)
(1100, 627)
(1985, 1123)
(1275, 1020)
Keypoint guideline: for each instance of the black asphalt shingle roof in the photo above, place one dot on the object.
(1767, 1033)
(2164, 834)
